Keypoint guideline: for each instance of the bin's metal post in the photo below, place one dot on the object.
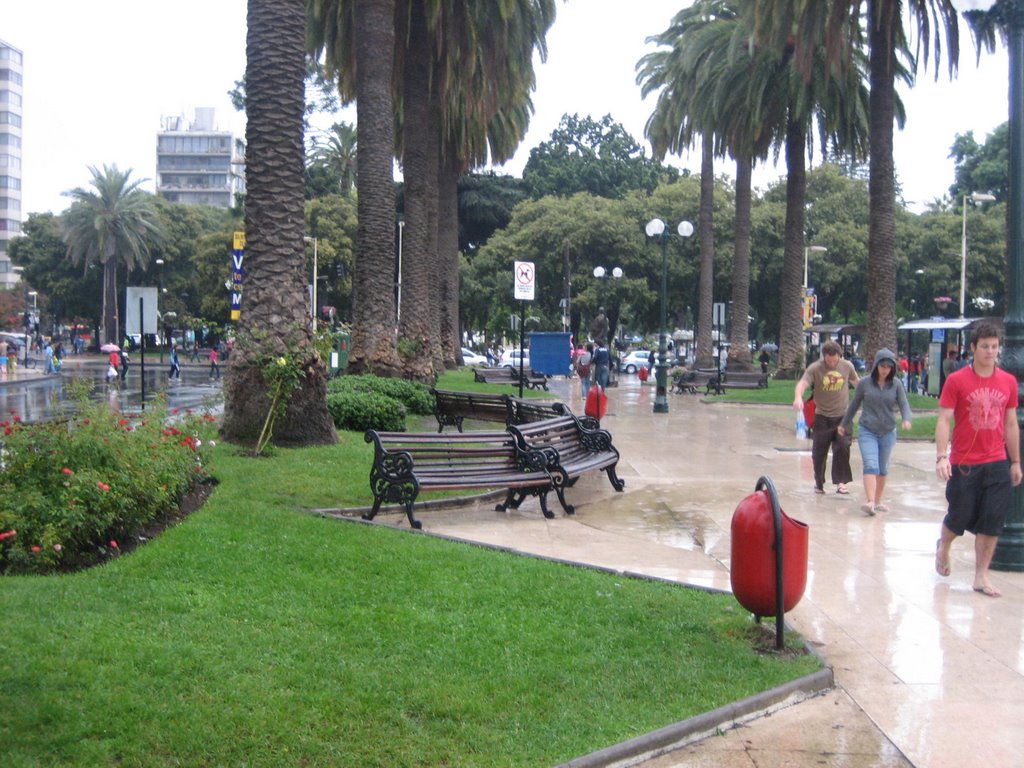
(765, 482)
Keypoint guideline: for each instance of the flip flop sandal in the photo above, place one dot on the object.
(820, 490)
(881, 508)
(988, 591)
(868, 510)
(842, 490)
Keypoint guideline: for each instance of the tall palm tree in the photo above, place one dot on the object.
(835, 26)
(358, 38)
(274, 321)
(117, 221)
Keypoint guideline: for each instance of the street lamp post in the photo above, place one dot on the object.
(1009, 16)
(18, 271)
(975, 197)
(656, 228)
(312, 307)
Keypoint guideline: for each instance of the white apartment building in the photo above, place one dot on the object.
(11, 60)
(197, 164)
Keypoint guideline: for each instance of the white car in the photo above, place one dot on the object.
(511, 359)
(635, 360)
(469, 357)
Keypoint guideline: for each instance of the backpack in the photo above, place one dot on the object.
(583, 365)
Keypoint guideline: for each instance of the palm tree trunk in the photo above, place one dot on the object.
(881, 180)
(419, 327)
(373, 286)
(739, 332)
(448, 257)
(791, 334)
(705, 231)
(274, 319)
(111, 327)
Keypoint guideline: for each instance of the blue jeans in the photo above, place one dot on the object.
(585, 384)
(602, 376)
(876, 450)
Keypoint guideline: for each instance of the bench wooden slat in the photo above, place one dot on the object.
(405, 463)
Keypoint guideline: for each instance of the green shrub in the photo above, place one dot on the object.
(414, 396)
(360, 411)
(70, 490)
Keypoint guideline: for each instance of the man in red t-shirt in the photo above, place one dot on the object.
(984, 466)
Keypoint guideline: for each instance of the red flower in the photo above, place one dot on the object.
(102, 486)
(122, 422)
(85, 421)
(67, 471)
(17, 418)
(113, 544)
(8, 431)
(35, 549)
(8, 534)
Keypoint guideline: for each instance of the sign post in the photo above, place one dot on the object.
(524, 280)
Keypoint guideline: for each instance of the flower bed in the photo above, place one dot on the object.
(71, 491)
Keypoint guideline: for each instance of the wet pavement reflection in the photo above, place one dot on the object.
(38, 397)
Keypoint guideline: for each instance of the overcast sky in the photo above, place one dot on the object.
(100, 76)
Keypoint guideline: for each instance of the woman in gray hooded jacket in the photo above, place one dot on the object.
(881, 394)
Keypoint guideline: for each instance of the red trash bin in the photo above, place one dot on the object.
(753, 567)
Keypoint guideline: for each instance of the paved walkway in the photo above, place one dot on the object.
(928, 672)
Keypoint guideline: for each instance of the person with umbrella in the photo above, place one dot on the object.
(114, 360)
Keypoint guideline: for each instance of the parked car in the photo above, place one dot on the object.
(469, 357)
(510, 359)
(635, 360)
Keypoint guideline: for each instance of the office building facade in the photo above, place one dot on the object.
(197, 164)
(11, 62)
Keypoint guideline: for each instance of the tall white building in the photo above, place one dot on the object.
(11, 60)
(197, 164)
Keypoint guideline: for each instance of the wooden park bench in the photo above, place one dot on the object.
(737, 380)
(405, 463)
(452, 408)
(572, 449)
(531, 380)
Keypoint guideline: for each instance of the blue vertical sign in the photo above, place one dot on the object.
(237, 274)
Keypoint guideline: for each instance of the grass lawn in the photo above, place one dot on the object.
(254, 634)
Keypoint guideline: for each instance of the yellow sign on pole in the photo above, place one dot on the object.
(237, 274)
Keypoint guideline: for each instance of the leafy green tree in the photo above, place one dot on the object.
(274, 318)
(115, 222)
(41, 250)
(486, 201)
(599, 157)
(332, 220)
(981, 167)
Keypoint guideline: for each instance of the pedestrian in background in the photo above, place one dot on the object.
(585, 369)
(831, 377)
(175, 372)
(881, 394)
(214, 368)
(602, 361)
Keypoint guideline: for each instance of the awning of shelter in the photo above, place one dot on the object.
(941, 323)
(846, 329)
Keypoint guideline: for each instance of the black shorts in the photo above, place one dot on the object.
(979, 497)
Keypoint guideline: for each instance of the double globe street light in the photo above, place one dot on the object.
(656, 228)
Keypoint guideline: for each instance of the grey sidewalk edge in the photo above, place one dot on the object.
(672, 737)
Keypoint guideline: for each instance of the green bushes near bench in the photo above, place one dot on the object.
(366, 402)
